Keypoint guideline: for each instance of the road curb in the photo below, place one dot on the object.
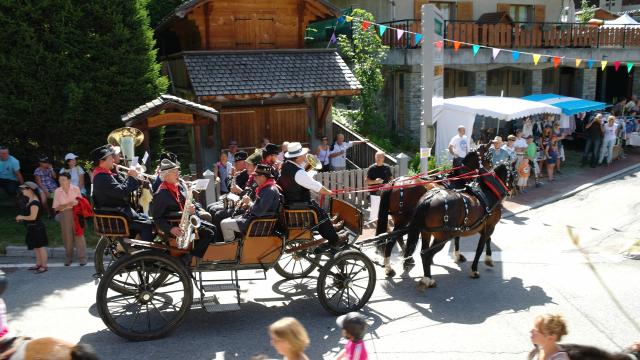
(571, 193)
(55, 252)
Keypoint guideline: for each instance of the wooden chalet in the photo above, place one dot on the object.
(246, 59)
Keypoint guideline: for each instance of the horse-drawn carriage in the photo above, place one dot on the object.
(145, 289)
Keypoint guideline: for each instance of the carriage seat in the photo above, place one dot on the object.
(110, 222)
(297, 221)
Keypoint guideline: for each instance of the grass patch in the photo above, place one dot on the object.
(13, 233)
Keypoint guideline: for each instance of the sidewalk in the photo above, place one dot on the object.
(568, 184)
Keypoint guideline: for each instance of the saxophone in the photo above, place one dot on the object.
(188, 223)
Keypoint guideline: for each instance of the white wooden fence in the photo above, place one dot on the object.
(336, 180)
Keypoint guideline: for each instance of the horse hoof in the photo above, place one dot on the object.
(474, 274)
(426, 283)
(408, 264)
(488, 261)
(461, 259)
(389, 272)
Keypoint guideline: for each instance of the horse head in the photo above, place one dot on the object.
(504, 172)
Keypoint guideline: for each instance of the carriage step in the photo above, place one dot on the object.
(220, 287)
(213, 307)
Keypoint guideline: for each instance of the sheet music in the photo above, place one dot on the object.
(201, 184)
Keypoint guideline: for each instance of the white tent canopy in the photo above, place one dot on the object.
(463, 110)
(620, 22)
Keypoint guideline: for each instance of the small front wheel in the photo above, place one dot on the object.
(346, 282)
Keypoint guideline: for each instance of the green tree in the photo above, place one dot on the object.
(587, 11)
(364, 51)
(159, 9)
(71, 69)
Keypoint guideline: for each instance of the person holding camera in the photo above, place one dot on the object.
(31, 216)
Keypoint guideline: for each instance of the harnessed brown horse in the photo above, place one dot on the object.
(400, 202)
(444, 214)
(47, 348)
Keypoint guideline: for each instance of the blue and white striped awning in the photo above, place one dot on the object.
(569, 105)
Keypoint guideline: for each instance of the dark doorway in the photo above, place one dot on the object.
(613, 85)
(567, 81)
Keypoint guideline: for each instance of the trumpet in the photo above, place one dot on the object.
(141, 174)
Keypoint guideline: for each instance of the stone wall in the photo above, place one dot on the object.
(413, 102)
(589, 80)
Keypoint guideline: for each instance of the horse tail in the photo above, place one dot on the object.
(383, 212)
(83, 352)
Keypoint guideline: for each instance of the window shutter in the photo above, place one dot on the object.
(538, 13)
(464, 11)
(417, 8)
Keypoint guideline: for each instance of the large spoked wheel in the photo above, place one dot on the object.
(346, 282)
(153, 308)
(108, 250)
(294, 265)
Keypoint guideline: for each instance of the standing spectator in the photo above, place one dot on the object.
(546, 332)
(77, 173)
(354, 328)
(65, 198)
(527, 128)
(632, 105)
(223, 169)
(618, 108)
(45, 178)
(31, 215)
(338, 152)
(520, 143)
(557, 132)
(498, 153)
(322, 152)
(551, 156)
(379, 172)
(233, 149)
(610, 130)
(289, 338)
(532, 154)
(594, 138)
(10, 175)
(459, 146)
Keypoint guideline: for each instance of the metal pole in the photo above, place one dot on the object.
(432, 82)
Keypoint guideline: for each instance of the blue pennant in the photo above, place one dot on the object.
(590, 63)
(341, 19)
(476, 48)
(515, 55)
(418, 38)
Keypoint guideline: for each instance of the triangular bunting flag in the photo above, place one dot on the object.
(515, 55)
(603, 64)
(399, 33)
(475, 49)
(456, 45)
(578, 61)
(438, 45)
(629, 66)
(536, 58)
(418, 39)
(333, 39)
(590, 64)
(495, 52)
(556, 62)
(382, 29)
(348, 18)
(365, 25)
(341, 19)
(616, 65)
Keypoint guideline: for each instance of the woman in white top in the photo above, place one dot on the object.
(610, 130)
(77, 173)
(546, 332)
(322, 153)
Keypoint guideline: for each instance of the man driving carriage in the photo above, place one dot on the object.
(112, 194)
(297, 185)
(267, 202)
(169, 203)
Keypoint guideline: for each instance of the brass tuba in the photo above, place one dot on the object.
(312, 163)
(127, 138)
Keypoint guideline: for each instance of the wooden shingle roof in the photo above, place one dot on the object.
(164, 102)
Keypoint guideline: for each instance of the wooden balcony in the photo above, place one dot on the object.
(522, 35)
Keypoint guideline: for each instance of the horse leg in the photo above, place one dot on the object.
(427, 255)
(457, 256)
(388, 270)
(481, 242)
(487, 258)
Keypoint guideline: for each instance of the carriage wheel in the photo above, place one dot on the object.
(294, 265)
(153, 309)
(108, 250)
(346, 282)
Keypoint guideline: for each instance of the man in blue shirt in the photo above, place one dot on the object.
(10, 175)
(498, 152)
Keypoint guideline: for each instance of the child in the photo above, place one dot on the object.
(523, 173)
(353, 328)
(289, 338)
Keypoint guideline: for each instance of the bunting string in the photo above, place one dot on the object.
(495, 51)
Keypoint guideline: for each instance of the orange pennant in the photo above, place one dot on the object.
(365, 25)
(456, 45)
(556, 62)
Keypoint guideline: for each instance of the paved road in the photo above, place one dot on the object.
(539, 270)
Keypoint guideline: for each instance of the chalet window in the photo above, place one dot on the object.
(521, 13)
(548, 77)
(448, 9)
(463, 78)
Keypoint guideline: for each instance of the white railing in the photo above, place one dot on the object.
(352, 179)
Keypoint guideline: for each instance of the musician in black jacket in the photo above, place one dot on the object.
(112, 193)
(297, 184)
(169, 204)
